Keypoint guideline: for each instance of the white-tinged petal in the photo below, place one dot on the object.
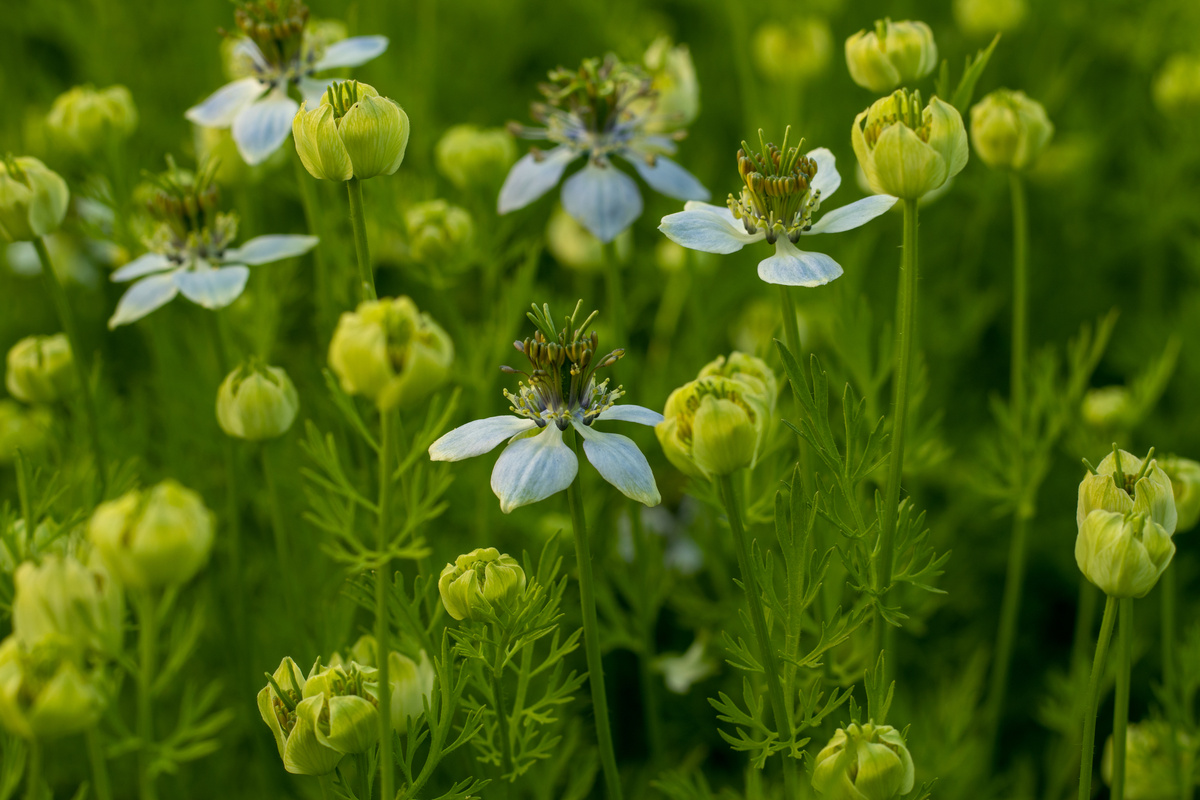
(533, 468)
(351, 52)
(710, 229)
(858, 213)
(631, 413)
(667, 177)
(791, 266)
(261, 127)
(478, 437)
(313, 89)
(603, 199)
(621, 463)
(272, 247)
(148, 294)
(212, 288)
(827, 180)
(222, 106)
(245, 48)
(532, 176)
(146, 264)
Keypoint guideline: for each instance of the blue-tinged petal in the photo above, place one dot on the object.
(142, 266)
(272, 247)
(313, 89)
(827, 180)
(148, 294)
(666, 177)
(261, 127)
(710, 229)
(602, 199)
(852, 216)
(533, 468)
(223, 105)
(793, 267)
(631, 413)
(212, 288)
(621, 463)
(532, 176)
(478, 437)
(351, 52)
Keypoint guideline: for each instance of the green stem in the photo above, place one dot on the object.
(147, 640)
(1171, 682)
(1093, 697)
(611, 267)
(502, 716)
(648, 613)
(279, 529)
(386, 460)
(791, 328)
(358, 221)
(312, 222)
(1007, 633)
(67, 319)
(99, 764)
(770, 661)
(1121, 708)
(33, 770)
(591, 636)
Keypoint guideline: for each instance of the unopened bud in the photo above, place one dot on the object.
(40, 369)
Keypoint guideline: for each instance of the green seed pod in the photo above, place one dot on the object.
(40, 369)
(1009, 130)
(438, 231)
(33, 199)
(1148, 769)
(84, 119)
(1125, 484)
(469, 156)
(478, 581)
(45, 692)
(864, 762)
(908, 151)
(295, 735)
(892, 54)
(1185, 486)
(1122, 554)
(713, 425)
(257, 402)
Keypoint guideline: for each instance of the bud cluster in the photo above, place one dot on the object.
(477, 582)
(778, 197)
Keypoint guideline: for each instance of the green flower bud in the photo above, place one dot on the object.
(479, 580)
(1122, 554)
(908, 151)
(673, 80)
(989, 17)
(1148, 768)
(33, 199)
(391, 353)
(1009, 130)
(62, 599)
(1108, 408)
(83, 119)
(40, 369)
(469, 156)
(45, 693)
(155, 537)
(864, 762)
(295, 735)
(892, 54)
(793, 52)
(353, 133)
(412, 686)
(27, 430)
(438, 231)
(1177, 85)
(1125, 484)
(1185, 486)
(341, 705)
(713, 425)
(257, 402)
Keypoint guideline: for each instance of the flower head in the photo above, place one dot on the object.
(1148, 755)
(675, 92)
(478, 580)
(1122, 554)
(864, 762)
(84, 118)
(295, 735)
(1009, 130)
(907, 149)
(561, 392)
(46, 690)
(1125, 484)
(438, 230)
(714, 425)
(257, 402)
(892, 54)
(469, 156)
(351, 133)
(33, 199)
(65, 599)
(40, 369)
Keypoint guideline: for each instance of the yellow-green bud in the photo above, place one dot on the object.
(295, 736)
(470, 156)
(438, 231)
(40, 369)
(65, 600)
(892, 54)
(479, 580)
(1108, 408)
(712, 426)
(908, 151)
(1149, 773)
(389, 352)
(1185, 486)
(988, 17)
(1009, 130)
(1125, 484)
(257, 402)
(22, 429)
(154, 537)
(412, 686)
(793, 52)
(83, 118)
(45, 693)
(864, 762)
(342, 706)
(673, 79)
(1122, 554)
(33, 199)
(352, 133)
(1177, 85)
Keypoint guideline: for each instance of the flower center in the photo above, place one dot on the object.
(777, 197)
(905, 109)
(187, 206)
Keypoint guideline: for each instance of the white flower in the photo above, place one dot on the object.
(561, 393)
(600, 197)
(781, 195)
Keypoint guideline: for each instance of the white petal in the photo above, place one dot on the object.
(533, 468)
(631, 413)
(792, 267)
(857, 213)
(351, 52)
(273, 247)
(223, 105)
(602, 199)
(621, 463)
(827, 180)
(478, 437)
(213, 288)
(313, 89)
(667, 177)
(532, 176)
(262, 126)
(141, 266)
(710, 229)
(143, 297)
(245, 48)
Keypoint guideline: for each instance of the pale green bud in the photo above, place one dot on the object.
(27, 430)
(257, 402)
(45, 693)
(712, 426)
(1177, 85)
(391, 353)
(892, 54)
(83, 119)
(989, 17)
(33, 199)
(792, 52)
(352, 133)
(908, 151)
(1108, 408)
(438, 231)
(469, 156)
(864, 762)
(1149, 774)
(412, 686)
(1185, 486)
(154, 537)
(295, 735)
(673, 79)
(63, 599)
(341, 705)
(1122, 554)
(40, 369)
(1009, 130)
(478, 581)
(758, 378)
(1125, 484)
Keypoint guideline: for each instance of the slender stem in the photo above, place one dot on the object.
(99, 764)
(611, 267)
(791, 328)
(1020, 320)
(1007, 633)
(67, 319)
(279, 529)
(1093, 697)
(33, 770)
(502, 714)
(591, 637)
(358, 221)
(1121, 708)
(147, 639)
(312, 221)
(770, 661)
(382, 577)
(1171, 682)
(648, 613)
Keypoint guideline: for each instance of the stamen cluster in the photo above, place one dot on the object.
(276, 26)
(778, 197)
(188, 206)
(908, 110)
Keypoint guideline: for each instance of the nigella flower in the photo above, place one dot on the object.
(276, 52)
(562, 393)
(191, 250)
(782, 192)
(605, 109)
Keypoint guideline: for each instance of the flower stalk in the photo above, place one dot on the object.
(312, 217)
(99, 765)
(1087, 761)
(1171, 682)
(358, 222)
(386, 459)
(147, 606)
(1121, 707)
